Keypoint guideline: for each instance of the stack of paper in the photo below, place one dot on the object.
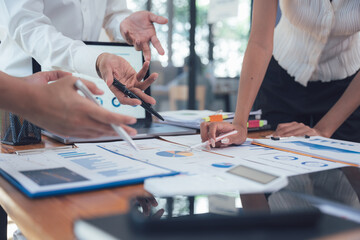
(193, 118)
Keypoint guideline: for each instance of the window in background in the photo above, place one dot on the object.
(230, 38)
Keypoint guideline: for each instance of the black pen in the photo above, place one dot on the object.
(130, 94)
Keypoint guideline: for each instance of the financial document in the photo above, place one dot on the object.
(62, 171)
(332, 149)
(266, 159)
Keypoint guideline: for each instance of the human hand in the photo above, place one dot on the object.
(111, 66)
(45, 77)
(58, 108)
(146, 202)
(138, 30)
(210, 130)
(295, 129)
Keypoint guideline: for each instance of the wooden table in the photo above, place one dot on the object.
(53, 217)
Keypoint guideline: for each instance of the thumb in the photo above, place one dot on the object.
(108, 77)
(93, 88)
(157, 19)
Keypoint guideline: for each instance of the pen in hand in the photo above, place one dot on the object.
(207, 143)
(119, 130)
(122, 88)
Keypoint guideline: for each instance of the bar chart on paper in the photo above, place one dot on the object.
(89, 161)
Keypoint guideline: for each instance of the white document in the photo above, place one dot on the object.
(60, 171)
(333, 149)
(205, 172)
(165, 154)
(244, 149)
(208, 184)
(289, 164)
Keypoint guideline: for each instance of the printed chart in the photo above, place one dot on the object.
(174, 154)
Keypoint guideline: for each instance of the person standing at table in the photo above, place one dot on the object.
(52, 33)
(57, 107)
(307, 70)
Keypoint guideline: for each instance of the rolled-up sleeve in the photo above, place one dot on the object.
(116, 12)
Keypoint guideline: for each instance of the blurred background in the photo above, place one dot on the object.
(204, 44)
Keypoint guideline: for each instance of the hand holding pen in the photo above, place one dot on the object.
(111, 66)
(122, 88)
(211, 142)
(119, 130)
(211, 130)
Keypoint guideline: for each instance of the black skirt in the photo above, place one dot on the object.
(284, 100)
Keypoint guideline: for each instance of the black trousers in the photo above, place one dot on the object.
(284, 100)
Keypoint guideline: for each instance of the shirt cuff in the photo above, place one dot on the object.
(85, 60)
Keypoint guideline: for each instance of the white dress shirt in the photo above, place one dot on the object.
(318, 39)
(52, 32)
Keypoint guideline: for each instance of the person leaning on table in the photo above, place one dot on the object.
(52, 33)
(308, 70)
(58, 107)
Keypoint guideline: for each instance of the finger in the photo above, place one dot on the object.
(131, 131)
(157, 45)
(146, 51)
(81, 133)
(55, 75)
(158, 214)
(138, 45)
(204, 129)
(129, 38)
(92, 87)
(304, 131)
(128, 101)
(212, 133)
(157, 19)
(284, 128)
(89, 128)
(153, 201)
(108, 75)
(141, 74)
(147, 82)
(291, 130)
(144, 96)
(106, 117)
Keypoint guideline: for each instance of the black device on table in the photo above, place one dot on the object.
(290, 213)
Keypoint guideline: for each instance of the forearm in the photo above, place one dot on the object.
(256, 61)
(15, 94)
(257, 57)
(343, 108)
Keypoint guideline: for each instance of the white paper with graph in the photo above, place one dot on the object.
(56, 172)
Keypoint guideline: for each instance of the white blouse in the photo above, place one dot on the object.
(318, 39)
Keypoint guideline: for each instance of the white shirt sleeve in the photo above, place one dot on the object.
(33, 32)
(116, 12)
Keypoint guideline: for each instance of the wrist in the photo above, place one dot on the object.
(324, 132)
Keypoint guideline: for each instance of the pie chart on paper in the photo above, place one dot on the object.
(175, 154)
